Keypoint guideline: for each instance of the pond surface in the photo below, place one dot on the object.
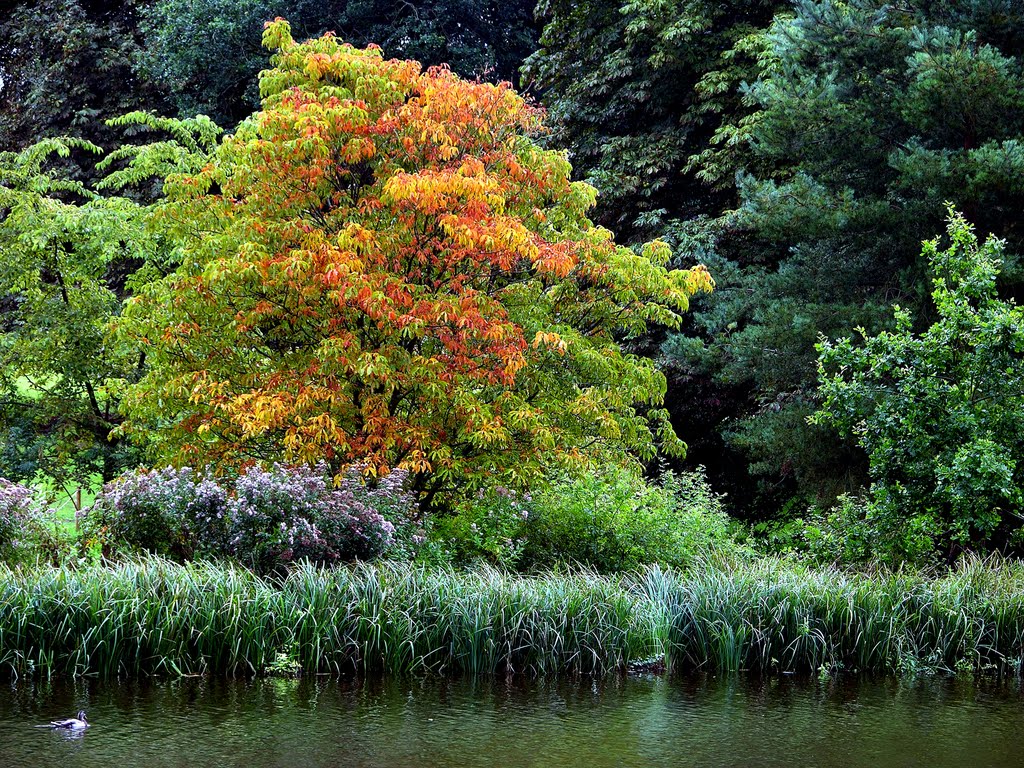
(644, 721)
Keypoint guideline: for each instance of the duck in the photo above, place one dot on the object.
(74, 723)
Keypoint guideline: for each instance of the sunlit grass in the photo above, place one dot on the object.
(61, 500)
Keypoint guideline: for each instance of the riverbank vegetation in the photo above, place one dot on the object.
(355, 372)
(151, 616)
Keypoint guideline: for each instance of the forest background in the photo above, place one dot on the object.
(803, 151)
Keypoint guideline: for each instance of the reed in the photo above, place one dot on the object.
(152, 617)
(772, 616)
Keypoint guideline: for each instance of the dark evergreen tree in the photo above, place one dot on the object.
(868, 117)
(208, 52)
(638, 90)
(66, 66)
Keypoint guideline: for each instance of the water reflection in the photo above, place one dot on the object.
(646, 721)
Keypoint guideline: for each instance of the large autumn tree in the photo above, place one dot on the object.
(382, 266)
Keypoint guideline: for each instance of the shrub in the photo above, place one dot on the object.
(266, 518)
(30, 530)
(940, 412)
(616, 521)
(170, 512)
(857, 532)
(280, 515)
(393, 499)
(489, 527)
(17, 504)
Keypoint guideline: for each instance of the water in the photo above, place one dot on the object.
(431, 723)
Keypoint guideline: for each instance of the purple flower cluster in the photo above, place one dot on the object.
(167, 511)
(16, 507)
(266, 518)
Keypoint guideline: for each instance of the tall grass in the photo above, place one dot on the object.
(771, 616)
(149, 616)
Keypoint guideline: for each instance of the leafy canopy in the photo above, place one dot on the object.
(66, 66)
(382, 266)
(64, 253)
(69, 254)
(940, 413)
(638, 91)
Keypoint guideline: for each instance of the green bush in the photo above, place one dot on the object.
(858, 531)
(616, 521)
(489, 527)
(940, 413)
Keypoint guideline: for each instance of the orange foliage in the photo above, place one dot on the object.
(383, 266)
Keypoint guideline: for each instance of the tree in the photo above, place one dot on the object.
(939, 413)
(207, 51)
(65, 67)
(637, 91)
(383, 267)
(60, 283)
(867, 117)
(69, 256)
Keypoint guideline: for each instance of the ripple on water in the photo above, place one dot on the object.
(645, 721)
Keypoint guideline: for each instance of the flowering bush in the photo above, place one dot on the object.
(169, 511)
(266, 518)
(17, 504)
(283, 514)
(391, 497)
(29, 528)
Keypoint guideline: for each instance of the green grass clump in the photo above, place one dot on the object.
(150, 616)
(772, 616)
(399, 618)
(139, 617)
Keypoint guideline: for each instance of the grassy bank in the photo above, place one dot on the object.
(153, 617)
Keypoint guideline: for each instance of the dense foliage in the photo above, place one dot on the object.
(16, 507)
(867, 117)
(637, 90)
(70, 253)
(65, 67)
(939, 413)
(617, 522)
(392, 265)
(65, 253)
(611, 522)
(208, 52)
(803, 156)
(383, 267)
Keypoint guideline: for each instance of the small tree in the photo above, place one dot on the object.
(383, 267)
(940, 413)
(65, 253)
(70, 253)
